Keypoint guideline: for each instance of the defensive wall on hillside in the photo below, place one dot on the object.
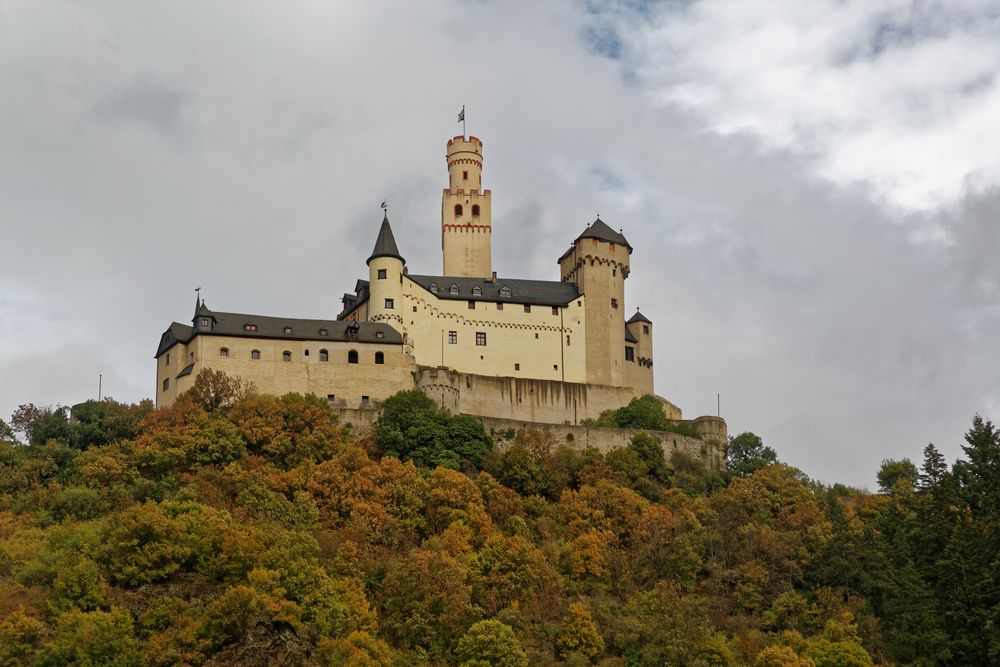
(710, 448)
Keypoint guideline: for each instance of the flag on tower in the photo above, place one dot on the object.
(461, 115)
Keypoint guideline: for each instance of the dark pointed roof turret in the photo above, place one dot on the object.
(600, 230)
(639, 317)
(385, 244)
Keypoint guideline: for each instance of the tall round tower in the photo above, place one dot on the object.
(466, 221)
(385, 279)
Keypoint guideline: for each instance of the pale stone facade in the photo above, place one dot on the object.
(554, 352)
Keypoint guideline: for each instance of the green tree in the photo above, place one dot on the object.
(578, 634)
(490, 644)
(933, 469)
(892, 472)
(746, 453)
(92, 638)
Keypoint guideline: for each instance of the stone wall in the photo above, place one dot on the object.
(709, 449)
(543, 401)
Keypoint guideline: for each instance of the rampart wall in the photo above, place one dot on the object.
(709, 449)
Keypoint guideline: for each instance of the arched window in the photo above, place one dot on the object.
(477, 290)
(475, 210)
(434, 288)
(352, 357)
(286, 356)
(224, 352)
(324, 355)
(453, 289)
(255, 354)
(379, 358)
(458, 210)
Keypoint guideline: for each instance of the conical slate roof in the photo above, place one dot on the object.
(600, 230)
(639, 317)
(385, 244)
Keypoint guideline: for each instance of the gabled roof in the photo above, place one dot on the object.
(639, 317)
(600, 230)
(385, 244)
(541, 292)
(234, 324)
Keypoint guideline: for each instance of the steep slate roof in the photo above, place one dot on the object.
(600, 230)
(630, 337)
(542, 292)
(639, 317)
(231, 324)
(385, 244)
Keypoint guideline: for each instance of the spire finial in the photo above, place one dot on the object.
(197, 297)
(385, 209)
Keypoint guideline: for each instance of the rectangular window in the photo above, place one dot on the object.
(364, 401)
(389, 304)
(255, 354)
(645, 328)
(480, 338)
(555, 310)
(452, 337)
(414, 309)
(330, 398)
(224, 353)
(472, 305)
(249, 327)
(527, 308)
(629, 353)
(614, 303)
(499, 306)
(517, 367)
(555, 367)
(465, 175)
(381, 274)
(204, 321)
(567, 341)
(167, 362)
(166, 384)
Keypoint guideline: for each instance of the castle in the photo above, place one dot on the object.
(541, 351)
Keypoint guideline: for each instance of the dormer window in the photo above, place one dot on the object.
(287, 330)
(434, 288)
(323, 332)
(477, 290)
(379, 334)
(204, 322)
(249, 327)
(453, 289)
(505, 292)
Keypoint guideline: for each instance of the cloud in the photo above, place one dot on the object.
(897, 94)
(811, 216)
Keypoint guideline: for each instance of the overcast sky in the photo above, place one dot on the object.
(810, 187)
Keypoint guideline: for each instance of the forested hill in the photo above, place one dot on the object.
(257, 531)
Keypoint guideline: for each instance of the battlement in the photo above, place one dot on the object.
(459, 140)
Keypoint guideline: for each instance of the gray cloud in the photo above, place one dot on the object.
(247, 151)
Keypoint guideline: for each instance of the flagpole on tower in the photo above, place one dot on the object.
(461, 119)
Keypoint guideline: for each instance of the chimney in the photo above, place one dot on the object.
(494, 278)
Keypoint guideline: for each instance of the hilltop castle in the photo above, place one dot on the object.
(544, 351)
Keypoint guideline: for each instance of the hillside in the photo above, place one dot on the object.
(255, 530)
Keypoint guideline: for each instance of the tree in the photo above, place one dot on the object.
(746, 453)
(490, 644)
(933, 468)
(20, 636)
(39, 425)
(579, 634)
(892, 472)
(6, 432)
(214, 390)
(92, 638)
